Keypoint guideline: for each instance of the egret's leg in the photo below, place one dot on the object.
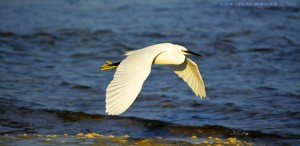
(109, 65)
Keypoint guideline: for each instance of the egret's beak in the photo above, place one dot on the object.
(192, 53)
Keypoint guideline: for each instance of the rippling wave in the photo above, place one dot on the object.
(16, 119)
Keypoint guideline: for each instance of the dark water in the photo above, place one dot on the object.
(50, 53)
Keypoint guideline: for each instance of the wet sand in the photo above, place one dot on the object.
(100, 139)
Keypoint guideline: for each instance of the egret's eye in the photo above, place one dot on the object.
(185, 51)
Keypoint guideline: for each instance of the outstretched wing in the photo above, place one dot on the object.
(190, 73)
(128, 80)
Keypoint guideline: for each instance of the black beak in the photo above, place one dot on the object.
(193, 53)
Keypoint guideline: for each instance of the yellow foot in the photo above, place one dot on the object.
(108, 65)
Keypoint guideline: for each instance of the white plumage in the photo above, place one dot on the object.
(135, 68)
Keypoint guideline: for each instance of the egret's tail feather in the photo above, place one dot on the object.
(109, 65)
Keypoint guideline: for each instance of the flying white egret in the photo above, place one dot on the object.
(135, 68)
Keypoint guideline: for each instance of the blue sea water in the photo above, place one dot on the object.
(51, 51)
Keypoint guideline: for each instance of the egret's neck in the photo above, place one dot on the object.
(167, 58)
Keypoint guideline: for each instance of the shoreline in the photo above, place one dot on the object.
(96, 139)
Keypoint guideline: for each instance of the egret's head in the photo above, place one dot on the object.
(187, 52)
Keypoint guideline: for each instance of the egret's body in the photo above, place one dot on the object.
(135, 68)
